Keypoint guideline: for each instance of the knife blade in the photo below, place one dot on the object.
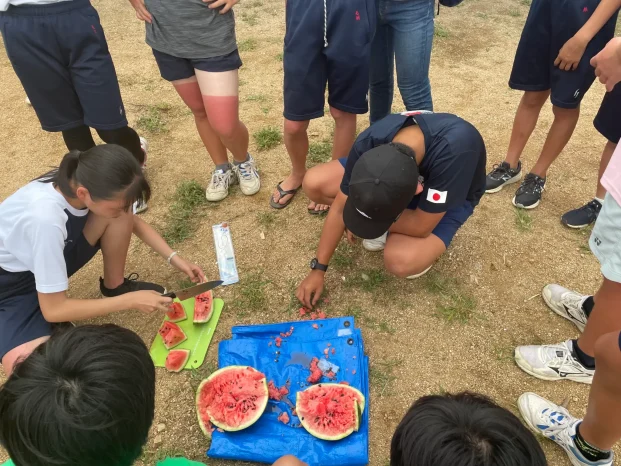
(193, 290)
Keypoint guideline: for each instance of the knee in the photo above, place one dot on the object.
(560, 112)
(396, 264)
(294, 128)
(607, 353)
(341, 116)
(198, 110)
(312, 184)
(534, 99)
(225, 127)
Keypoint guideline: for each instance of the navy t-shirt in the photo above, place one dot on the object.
(453, 168)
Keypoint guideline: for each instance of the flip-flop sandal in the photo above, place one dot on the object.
(318, 212)
(282, 193)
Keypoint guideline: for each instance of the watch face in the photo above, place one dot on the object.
(313, 263)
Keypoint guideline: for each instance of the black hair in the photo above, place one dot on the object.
(105, 171)
(84, 397)
(404, 149)
(465, 429)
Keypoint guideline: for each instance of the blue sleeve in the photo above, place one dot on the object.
(362, 144)
(449, 181)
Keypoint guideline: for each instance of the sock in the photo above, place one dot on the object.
(601, 201)
(590, 452)
(586, 360)
(244, 161)
(587, 306)
(225, 167)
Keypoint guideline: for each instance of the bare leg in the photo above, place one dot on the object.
(190, 92)
(20, 352)
(289, 460)
(406, 255)
(114, 235)
(603, 163)
(322, 182)
(296, 142)
(601, 426)
(604, 318)
(560, 132)
(524, 123)
(221, 99)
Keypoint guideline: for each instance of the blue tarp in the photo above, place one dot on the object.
(268, 439)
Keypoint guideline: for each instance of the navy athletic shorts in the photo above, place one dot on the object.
(549, 25)
(344, 64)
(449, 224)
(60, 54)
(607, 119)
(174, 68)
(21, 319)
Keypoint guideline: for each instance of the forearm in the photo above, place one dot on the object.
(600, 16)
(69, 310)
(151, 238)
(331, 235)
(416, 223)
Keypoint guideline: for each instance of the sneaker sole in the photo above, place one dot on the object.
(522, 364)
(576, 227)
(520, 206)
(373, 248)
(562, 314)
(141, 209)
(513, 180)
(418, 275)
(213, 199)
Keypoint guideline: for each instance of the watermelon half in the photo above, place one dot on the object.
(203, 307)
(176, 313)
(330, 411)
(177, 359)
(171, 334)
(232, 398)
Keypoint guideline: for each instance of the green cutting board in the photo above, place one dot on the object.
(199, 336)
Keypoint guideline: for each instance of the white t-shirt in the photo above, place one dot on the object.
(33, 232)
(4, 4)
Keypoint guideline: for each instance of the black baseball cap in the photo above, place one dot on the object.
(382, 184)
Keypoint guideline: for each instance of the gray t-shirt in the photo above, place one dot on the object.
(189, 29)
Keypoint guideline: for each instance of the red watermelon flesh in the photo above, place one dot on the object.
(177, 359)
(171, 334)
(203, 307)
(176, 313)
(330, 411)
(316, 373)
(231, 398)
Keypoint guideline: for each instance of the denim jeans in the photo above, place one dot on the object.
(404, 33)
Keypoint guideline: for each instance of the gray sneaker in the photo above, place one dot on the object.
(528, 195)
(501, 176)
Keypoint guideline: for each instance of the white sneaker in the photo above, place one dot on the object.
(28, 102)
(377, 244)
(555, 422)
(219, 185)
(566, 303)
(144, 145)
(248, 176)
(553, 362)
(412, 277)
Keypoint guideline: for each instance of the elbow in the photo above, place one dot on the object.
(50, 315)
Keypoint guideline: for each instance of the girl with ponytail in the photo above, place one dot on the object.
(53, 226)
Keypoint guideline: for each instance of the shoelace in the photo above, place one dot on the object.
(220, 179)
(593, 206)
(246, 171)
(572, 301)
(559, 361)
(498, 171)
(531, 184)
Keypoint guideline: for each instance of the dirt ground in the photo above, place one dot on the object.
(453, 330)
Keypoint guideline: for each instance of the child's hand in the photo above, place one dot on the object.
(228, 4)
(148, 301)
(191, 270)
(141, 11)
(571, 53)
(607, 64)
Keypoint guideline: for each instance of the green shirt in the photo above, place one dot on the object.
(166, 462)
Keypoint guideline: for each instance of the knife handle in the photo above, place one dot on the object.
(170, 295)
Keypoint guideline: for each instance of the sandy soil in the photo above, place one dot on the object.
(413, 351)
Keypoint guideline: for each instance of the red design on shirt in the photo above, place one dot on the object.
(436, 197)
(585, 10)
(357, 16)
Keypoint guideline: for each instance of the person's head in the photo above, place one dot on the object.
(466, 429)
(107, 179)
(84, 397)
(383, 182)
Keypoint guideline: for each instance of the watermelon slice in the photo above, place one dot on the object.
(177, 359)
(176, 313)
(330, 411)
(203, 307)
(232, 398)
(171, 334)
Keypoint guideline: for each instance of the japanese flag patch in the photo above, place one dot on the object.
(437, 197)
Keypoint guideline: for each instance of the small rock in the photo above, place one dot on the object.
(493, 266)
(532, 261)
(262, 235)
(581, 255)
(161, 428)
(157, 440)
(365, 277)
(575, 399)
(343, 278)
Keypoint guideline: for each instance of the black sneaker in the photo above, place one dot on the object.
(583, 216)
(502, 175)
(130, 284)
(528, 195)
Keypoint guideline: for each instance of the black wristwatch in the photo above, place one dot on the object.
(315, 265)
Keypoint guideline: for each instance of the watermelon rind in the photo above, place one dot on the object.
(207, 318)
(186, 352)
(228, 428)
(358, 408)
